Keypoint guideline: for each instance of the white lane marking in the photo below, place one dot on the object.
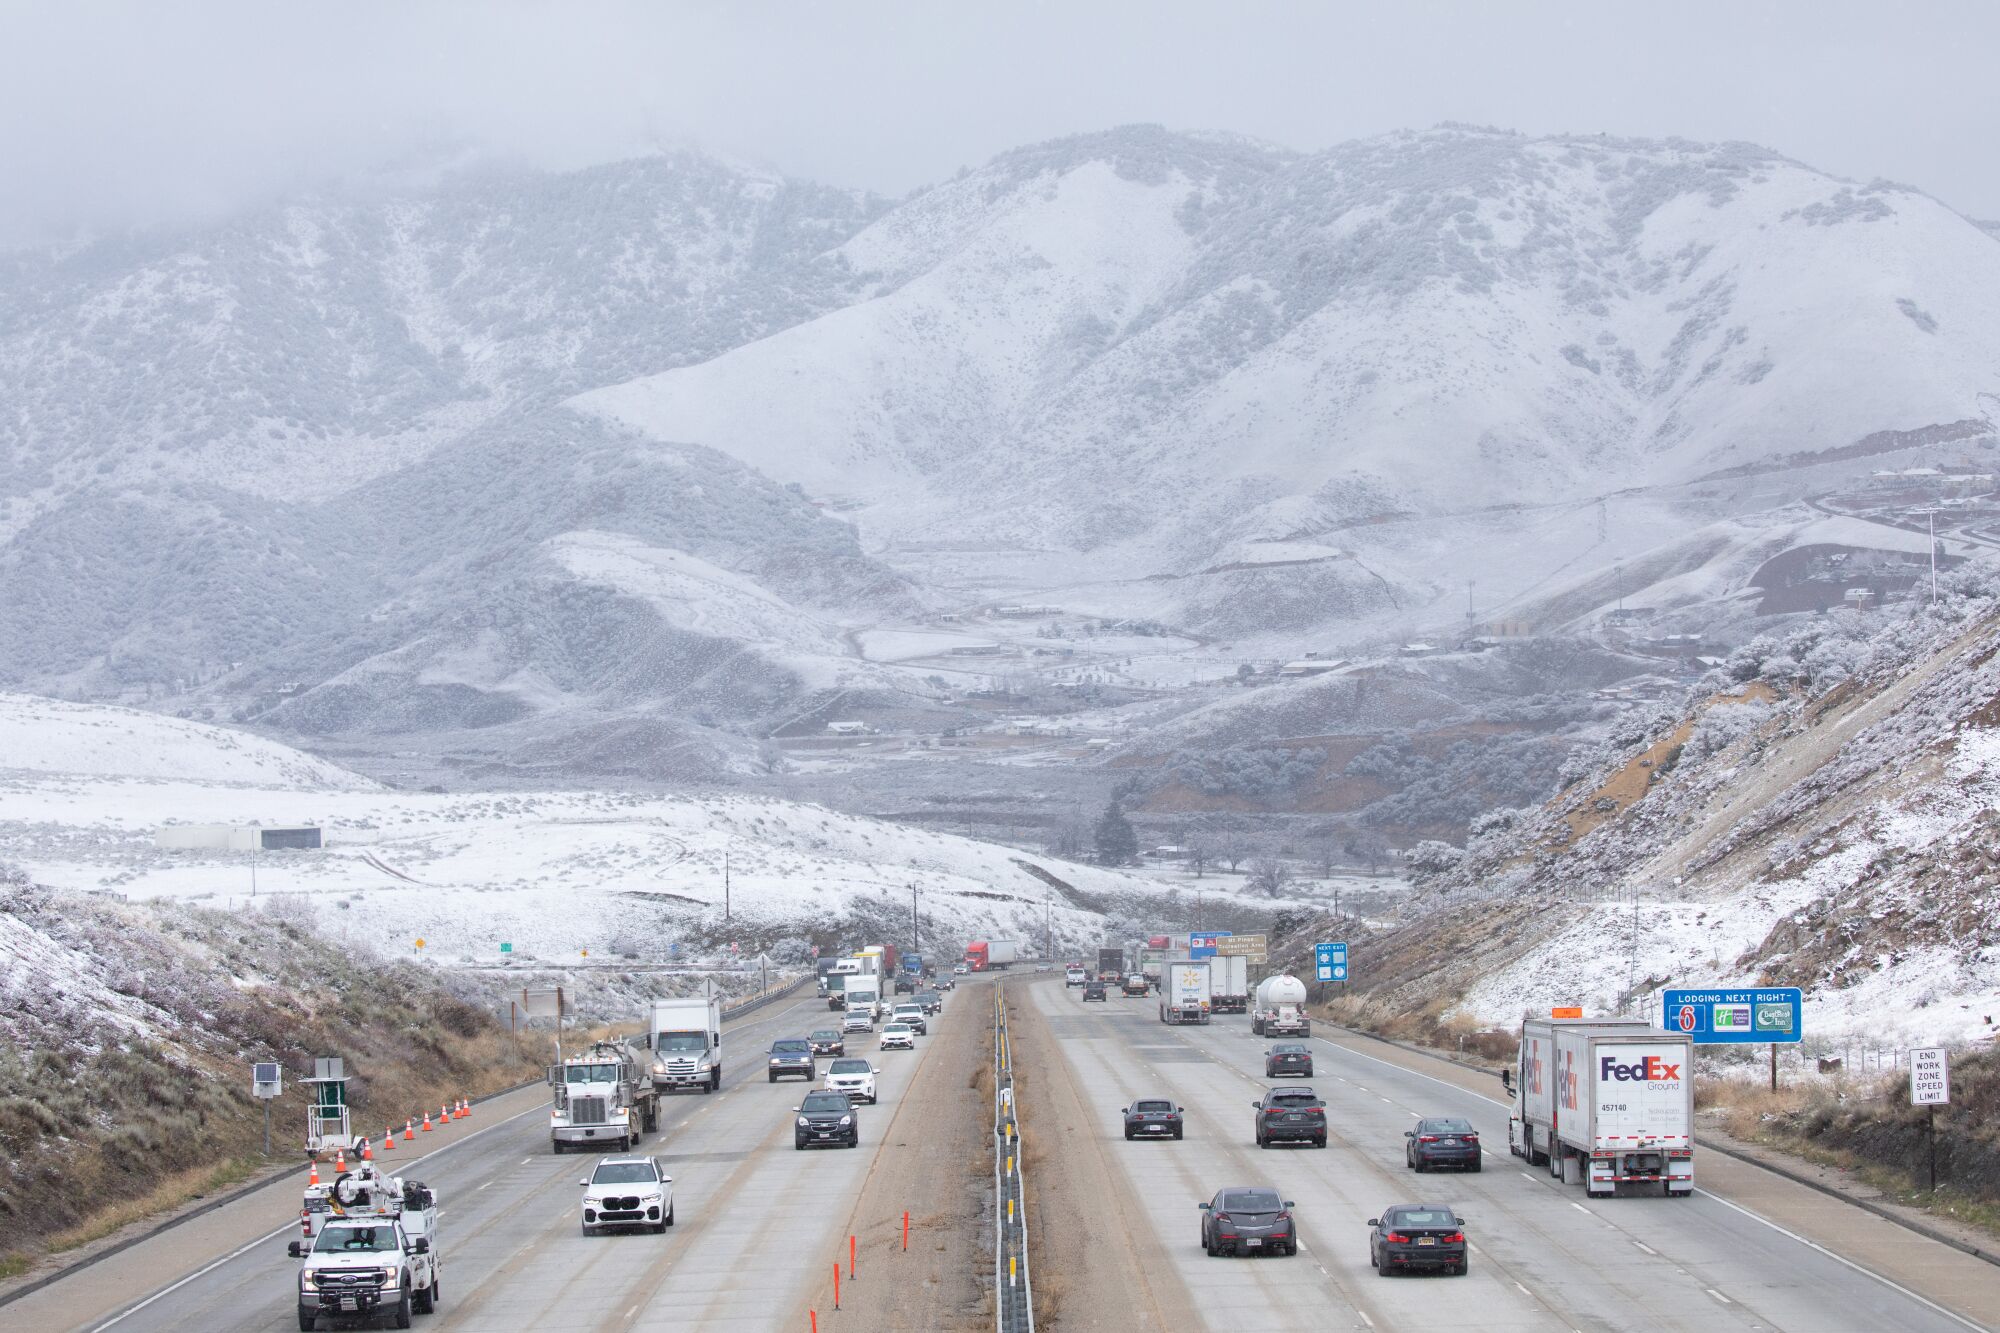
(629, 1313)
(1385, 1101)
(1718, 1295)
(487, 1186)
(1843, 1260)
(1526, 1176)
(1580, 1208)
(1524, 1291)
(1647, 1248)
(129, 1311)
(1365, 1319)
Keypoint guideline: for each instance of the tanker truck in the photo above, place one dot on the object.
(1279, 1009)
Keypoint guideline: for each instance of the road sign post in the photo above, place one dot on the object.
(267, 1080)
(1930, 1088)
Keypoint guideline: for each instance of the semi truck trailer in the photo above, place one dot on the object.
(1606, 1101)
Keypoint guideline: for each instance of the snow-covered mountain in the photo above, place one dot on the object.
(1171, 351)
(603, 468)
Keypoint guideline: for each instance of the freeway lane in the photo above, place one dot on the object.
(1546, 1257)
(514, 1257)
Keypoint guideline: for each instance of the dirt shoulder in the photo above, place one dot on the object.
(935, 1160)
(1069, 1185)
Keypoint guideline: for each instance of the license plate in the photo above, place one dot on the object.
(1427, 1240)
(1293, 1119)
(348, 1303)
(1448, 1143)
(1252, 1243)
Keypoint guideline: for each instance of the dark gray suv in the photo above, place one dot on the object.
(1291, 1115)
(826, 1119)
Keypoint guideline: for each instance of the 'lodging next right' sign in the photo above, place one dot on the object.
(1721, 1016)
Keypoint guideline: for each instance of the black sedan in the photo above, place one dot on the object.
(792, 1057)
(1417, 1235)
(827, 1119)
(1288, 1057)
(1244, 1221)
(1093, 990)
(1442, 1142)
(1152, 1119)
(828, 1041)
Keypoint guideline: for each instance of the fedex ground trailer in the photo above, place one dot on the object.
(1610, 1101)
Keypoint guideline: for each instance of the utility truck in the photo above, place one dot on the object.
(602, 1097)
(685, 1038)
(1607, 1101)
(1185, 994)
(1232, 983)
(373, 1253)
(1279, 1008)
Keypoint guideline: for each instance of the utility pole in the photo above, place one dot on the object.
(913, 918)
(725, 884)
(1930, 515)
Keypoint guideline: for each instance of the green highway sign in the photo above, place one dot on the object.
(506, 948)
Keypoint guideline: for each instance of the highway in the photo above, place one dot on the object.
(1545, 1257)
(757, 1227)
(759, 1224)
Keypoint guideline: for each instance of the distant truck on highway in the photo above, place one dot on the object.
(1186, 994)
(1231, 973)
(1152, 957)
(1110, 963)
(685, 1038)
(601, 1097)
(1607, 1100)
(992, 955)
(1279, 1008)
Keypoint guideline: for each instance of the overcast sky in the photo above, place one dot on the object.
(114, 114)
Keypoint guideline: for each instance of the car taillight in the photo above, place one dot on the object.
(1284, 1219)
(1470, 1138)
(1427, 1138)
(1455, 1238)
(1397, 1238)
(1274, 1110)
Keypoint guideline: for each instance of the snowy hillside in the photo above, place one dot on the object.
(50, 737)
(1820, 815)
(1154, 347)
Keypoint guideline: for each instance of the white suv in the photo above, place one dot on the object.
(854, 1077)
(912, 1015)
(898, 1037)
(628, 1192)
(1073, 977)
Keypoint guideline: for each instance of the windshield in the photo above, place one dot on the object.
(826, 1034)
(590, 1073)
(681, 1041)
(824, 1101)
(848, 1067)
(791, 1047)
(624, 1173)
(1250, 1201)
(1446, 1127)
(1289, 1049)
(1152, 1106)
(896, 1030)
(1294, 1099)
(1420, 1217)
(355, 1240)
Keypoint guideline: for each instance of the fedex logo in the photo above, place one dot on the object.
(1652, 1069)
(1534, 1079)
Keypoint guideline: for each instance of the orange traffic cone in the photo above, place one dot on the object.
(388, 1138)
(463, 1109)
(427, 1122)
(444, 1113)
(409, 1129)
(339, 1160)
(366, 1154)
(313, 1179)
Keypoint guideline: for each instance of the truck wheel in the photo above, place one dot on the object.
(307, 1322)
(403, 1311)
(435, 1298)
(420, 1302)
(714, 1080)
(670, 1217)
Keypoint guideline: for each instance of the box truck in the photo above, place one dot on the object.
(1232, 983)
(1185, 993)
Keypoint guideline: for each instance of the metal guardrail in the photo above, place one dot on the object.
(1013, 1290)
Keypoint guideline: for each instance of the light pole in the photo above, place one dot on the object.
(725, 884)
(913, 918)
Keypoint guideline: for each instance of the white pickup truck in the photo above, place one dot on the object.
(374, 1254)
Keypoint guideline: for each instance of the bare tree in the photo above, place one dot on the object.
(1268, 876)
(1325, 857)
(1233, 849)
(1197, 853)
(1070, 840)
(1369, 847)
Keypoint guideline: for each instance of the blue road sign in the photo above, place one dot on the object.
(1726, 1016)
(1330, 961)
(1202, 943)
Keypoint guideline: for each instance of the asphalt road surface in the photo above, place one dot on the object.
(1544, 1257)
(757, 1228)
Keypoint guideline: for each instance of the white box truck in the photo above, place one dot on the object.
(1279, 1008)
(1232, 983)
(1186, 994)
(685, 1040)
(1610, 1102)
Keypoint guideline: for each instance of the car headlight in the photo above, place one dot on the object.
(847, 1120)
(309, 1279)
(659, 1066)
(804, 1123)
(391, 1279)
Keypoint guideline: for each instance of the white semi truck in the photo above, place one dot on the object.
(602, 1097)
(1279, 1008)
(1607, 1101)
(685, 1038)
(1186, 994)
(1232, 983)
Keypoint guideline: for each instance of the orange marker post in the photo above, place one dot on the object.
(906, 1231)
(836, 1284)
(814, 1315)
(850, 1258)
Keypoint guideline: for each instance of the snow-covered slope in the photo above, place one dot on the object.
(49, 736)
(1153, 347)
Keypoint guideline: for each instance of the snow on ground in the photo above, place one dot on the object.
(40, 735)
(900, 645)
(552, 873)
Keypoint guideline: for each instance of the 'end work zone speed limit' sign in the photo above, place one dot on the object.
(1930, 1077)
